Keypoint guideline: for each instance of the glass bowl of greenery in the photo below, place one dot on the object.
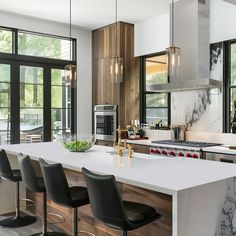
(78, 143)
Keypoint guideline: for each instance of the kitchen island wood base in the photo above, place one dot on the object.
(161, 202)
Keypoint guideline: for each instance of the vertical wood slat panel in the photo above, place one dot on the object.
(106, 92)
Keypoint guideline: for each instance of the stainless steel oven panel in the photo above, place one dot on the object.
(220, 157)
(106, 108)
(105, 113)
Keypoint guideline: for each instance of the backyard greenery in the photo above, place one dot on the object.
(31, 77)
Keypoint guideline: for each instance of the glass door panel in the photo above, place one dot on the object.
(156, 104)
(31, 104)
(5, 100)
(60, 104)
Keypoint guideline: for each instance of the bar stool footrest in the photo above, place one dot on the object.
(31, 203)
(86, 232)
(62, 219)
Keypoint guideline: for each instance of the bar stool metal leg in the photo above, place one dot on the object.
(74, 221)
(75, 224)
(17, 220)
(44, 221)
(124, 233)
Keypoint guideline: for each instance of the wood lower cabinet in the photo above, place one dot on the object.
(136, 147)
(161, 202)
(140, 148)
(105, 143)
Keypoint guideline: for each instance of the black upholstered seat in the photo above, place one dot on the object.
(13, 175)
(107, 205)
(59, 191)
(137, 212)
(35, 184)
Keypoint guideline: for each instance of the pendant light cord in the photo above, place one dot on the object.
(70, 32)
(116, 16)
(172, 19)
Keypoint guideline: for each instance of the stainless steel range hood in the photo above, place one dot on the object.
(185, 85)
(192, 35)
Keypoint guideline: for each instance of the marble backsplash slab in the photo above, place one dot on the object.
(201, 110)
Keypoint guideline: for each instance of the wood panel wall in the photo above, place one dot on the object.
(126, 94)
(161, 202)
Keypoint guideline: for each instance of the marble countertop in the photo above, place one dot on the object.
(220, 149)
(162, 174)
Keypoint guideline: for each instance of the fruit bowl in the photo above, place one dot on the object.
(78, 143)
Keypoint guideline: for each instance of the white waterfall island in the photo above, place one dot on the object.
(198, 190)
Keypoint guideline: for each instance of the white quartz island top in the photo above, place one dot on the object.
(161, 174)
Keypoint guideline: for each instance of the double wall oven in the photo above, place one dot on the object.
(105, 122)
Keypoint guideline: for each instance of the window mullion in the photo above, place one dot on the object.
(47, 104)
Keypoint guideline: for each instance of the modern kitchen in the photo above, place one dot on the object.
(118, 117)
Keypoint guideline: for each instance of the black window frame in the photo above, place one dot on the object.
(227, 85)
(16, 60)
(143, 91)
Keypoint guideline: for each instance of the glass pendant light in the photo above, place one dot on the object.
(70, 69)
(173, 53)
(116, 62)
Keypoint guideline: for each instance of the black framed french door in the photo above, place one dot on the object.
(35, 99)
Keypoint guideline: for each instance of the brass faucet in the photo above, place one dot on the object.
(119, 147)
(130, 152)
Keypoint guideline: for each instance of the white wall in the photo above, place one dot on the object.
(152, 35)
(84, 59)
(222, 21)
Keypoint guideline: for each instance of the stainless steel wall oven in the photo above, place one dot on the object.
(105, 121)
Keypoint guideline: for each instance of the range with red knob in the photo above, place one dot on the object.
(174, 150)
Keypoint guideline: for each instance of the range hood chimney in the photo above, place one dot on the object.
(192, 35)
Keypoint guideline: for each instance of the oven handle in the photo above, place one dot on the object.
(226, 160)
(105, 113)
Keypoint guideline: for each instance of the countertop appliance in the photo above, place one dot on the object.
(105, 121)
(178, 132)
(179, 148)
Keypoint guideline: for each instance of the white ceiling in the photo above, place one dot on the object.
(90, 14)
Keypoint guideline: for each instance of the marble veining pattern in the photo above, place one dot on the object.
(201, 110)
(227, 222)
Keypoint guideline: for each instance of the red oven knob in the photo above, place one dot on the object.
(172, 153)
(181, 154)
(152, 151)
(164, 152)
(188, 154)
(157, 151)
(195, 155)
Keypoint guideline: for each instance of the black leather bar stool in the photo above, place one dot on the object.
(59, 191)
(9, 174)
(35, 184)
(107, 205)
